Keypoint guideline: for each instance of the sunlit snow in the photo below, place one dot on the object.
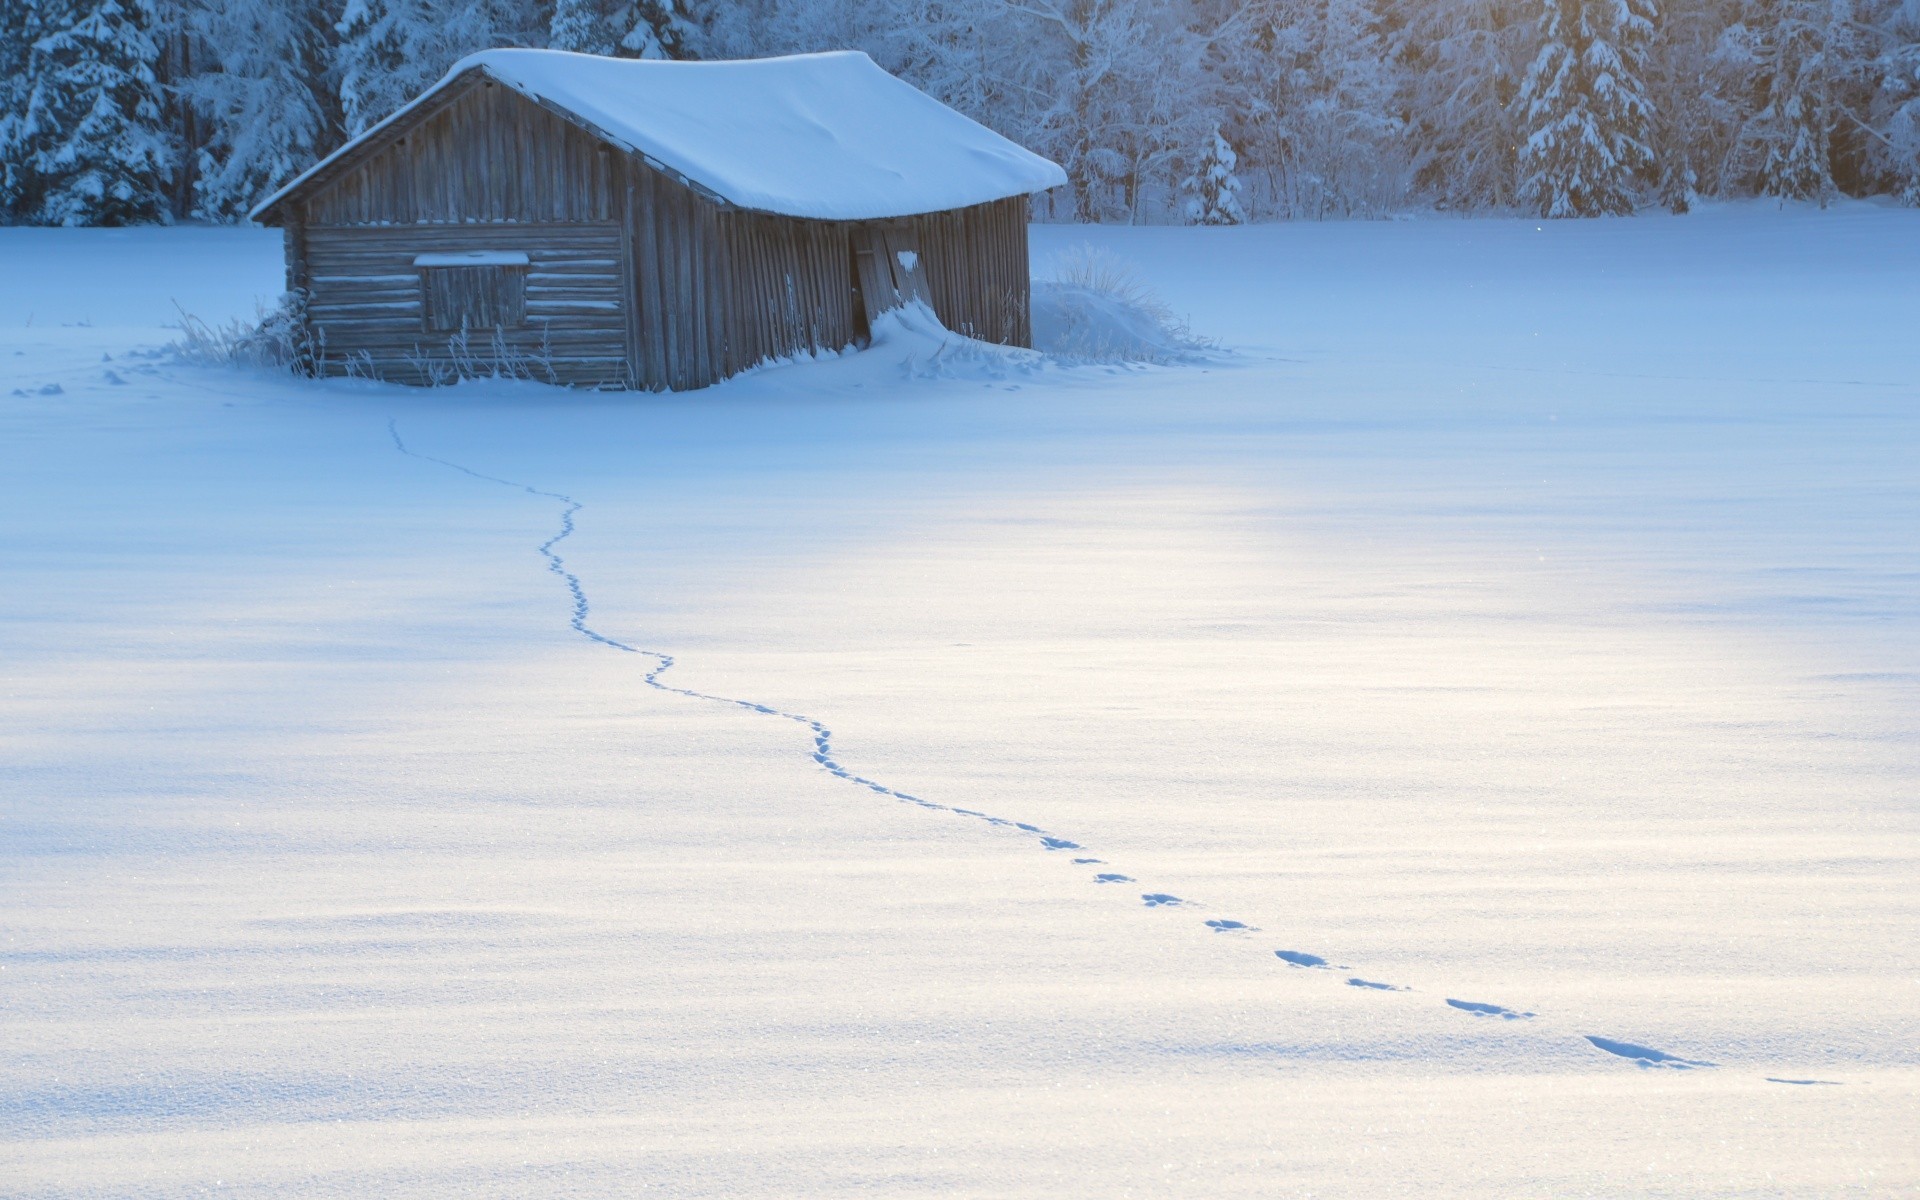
(1457, 738)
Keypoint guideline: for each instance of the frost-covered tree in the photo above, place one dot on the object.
(1694, 118)
(661, 29)
(1116, 77)
(580, 26)
(1893, 114)
(20, 28)
(262, 89)
(388, 51)
(1460, 68)
(1785, 147)
(368, 54)
(1213, 190)
(1314, 91)
(89, 128)
(1587, 121)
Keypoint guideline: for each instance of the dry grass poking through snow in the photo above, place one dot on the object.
(1091, 306)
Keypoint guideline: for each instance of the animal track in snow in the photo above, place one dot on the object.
(663, 662)
(1806, 1082)
(1296, 958)
(1645, 1056)
(822, 755)
(1488, 1010)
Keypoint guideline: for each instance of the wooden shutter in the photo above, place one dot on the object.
(473, 295)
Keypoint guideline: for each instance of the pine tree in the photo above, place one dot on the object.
(263, 90)
(368, 56)
(1893, 148)
(91, 120)
(20, 28)
(660, 29)
(1788, 140)
(1213, 190)
(389, 51)
(580, 26)
(1586, 111)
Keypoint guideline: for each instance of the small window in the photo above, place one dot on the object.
(475, 290)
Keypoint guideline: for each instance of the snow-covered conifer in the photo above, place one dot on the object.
(91, 122)
(262, 90)
(660, 29)
(580, 26)
(20, 28)
(1794, 125)
(392, 50)
(1213, 190)
(1587, 120)
(368, 56)
(1893, 143)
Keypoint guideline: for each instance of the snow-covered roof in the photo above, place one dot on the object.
(827, 136)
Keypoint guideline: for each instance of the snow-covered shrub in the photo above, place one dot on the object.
(1092, 307)
(276, 340)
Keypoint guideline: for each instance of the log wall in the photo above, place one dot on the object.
(364, 303)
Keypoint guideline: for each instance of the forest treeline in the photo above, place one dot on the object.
(129, 111)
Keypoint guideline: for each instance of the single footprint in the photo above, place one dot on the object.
(1488, 1010)
(1378, 987)
(1645, 1056)
(1054, 843)
(1088, 861)
(1110, 877)
(1296, 958)
(1156, 899)
(1228, 926)
(1807, 1082)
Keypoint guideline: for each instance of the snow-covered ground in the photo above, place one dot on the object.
(1523, 620)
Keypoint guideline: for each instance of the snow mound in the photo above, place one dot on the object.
(1094, 308)
(914, 335)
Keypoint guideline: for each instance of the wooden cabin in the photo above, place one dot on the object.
(662, 225)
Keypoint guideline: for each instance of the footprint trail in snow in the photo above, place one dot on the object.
(822, 738)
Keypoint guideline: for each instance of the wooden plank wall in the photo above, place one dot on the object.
(791, 287)
(365, 300)
(489, 155)
(976, 264)
(718, 290)
(635, 280)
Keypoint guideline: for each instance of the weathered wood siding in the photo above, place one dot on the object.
(484, 154)
(976, 264)
(365, 306)
(485, 169)
(635, 279)
(790, 287)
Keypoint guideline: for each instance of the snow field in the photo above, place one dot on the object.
(1522, 617)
